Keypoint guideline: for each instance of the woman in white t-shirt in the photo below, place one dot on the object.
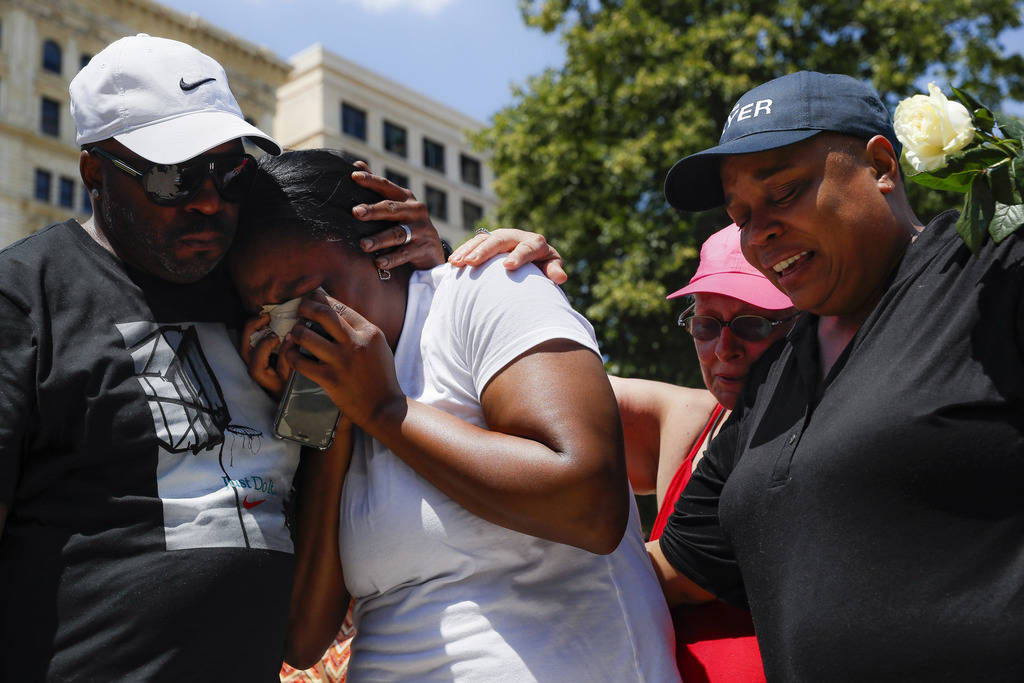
(484, 524)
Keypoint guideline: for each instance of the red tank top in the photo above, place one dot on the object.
(715, 642)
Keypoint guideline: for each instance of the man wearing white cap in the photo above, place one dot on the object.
(142, 496)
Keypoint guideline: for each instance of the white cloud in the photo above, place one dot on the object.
(420, 6)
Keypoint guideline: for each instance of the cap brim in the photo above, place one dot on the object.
(184, 137)
(693, 184)
(753, 289)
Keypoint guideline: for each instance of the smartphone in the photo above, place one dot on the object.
(306, 413)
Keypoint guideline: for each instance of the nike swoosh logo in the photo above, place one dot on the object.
(192, 86)
(249, 506)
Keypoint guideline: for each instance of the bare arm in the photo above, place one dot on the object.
(660, 423)
(319, 598)
(677, 587)
(551, 464)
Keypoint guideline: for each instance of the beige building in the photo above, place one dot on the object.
(317, 100)
(43, 44)
(329, 101)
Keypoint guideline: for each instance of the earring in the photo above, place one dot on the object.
(94, 193)
(383, 274)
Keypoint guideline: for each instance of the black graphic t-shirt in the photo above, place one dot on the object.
(146, 535)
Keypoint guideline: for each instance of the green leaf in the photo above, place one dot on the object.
(983, 120)
(1000, 179)
(957, 182)
(1017, 173)
(1011, 126)
(977, 214)
(582, 148)
(1005, 221)
(971, 159)
(969, 101)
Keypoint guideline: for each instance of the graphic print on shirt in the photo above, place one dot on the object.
(189, 411)
(221, 483)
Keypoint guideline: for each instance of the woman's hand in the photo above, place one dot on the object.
(356, 369)
(421, 246)
(270, 372)
(522, 247)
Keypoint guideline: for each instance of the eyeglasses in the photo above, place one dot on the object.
(746, 327)
(178, 184)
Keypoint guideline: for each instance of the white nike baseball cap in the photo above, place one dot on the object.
(162, 99)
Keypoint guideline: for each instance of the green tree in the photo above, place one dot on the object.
(582, 152)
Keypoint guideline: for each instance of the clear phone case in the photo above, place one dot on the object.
(306, 413)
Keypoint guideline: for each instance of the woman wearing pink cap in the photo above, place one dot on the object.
(736, 316)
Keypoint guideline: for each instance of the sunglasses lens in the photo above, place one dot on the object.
(171, 184)
(703, 328)
(751, 327)
(176, 184)
(234, 176)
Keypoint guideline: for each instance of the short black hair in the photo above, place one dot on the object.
(308, 194)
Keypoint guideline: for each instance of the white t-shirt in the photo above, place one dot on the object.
(443, 595)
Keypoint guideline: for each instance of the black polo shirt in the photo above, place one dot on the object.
(875, 526)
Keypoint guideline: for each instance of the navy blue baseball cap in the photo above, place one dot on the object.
(781, 112)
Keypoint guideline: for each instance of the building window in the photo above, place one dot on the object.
(470, 169)
(42, 190)
(86, 201)
(51, 56)
(397, 178)
(437, 203)
(66, 192)
(395, 139)
(83, 60)
(49, 116)
(353, 121)
(472, 214)
(433, 155)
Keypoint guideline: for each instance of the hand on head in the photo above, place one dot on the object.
(417, 242)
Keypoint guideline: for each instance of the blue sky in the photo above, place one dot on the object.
(463, 53)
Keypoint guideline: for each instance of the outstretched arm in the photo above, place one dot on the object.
(677, 587)
(551, 463)
(319, 598)
(660, 422)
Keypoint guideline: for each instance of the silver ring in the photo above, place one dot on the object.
(482, 231)
(408, 234)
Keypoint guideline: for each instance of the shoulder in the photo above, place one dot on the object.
(493, 273)
(24, 264)
(941, 239)
(38, 246)
(492, 287)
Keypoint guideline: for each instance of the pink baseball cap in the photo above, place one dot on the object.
(724, 270)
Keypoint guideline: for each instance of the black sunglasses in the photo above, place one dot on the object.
(178, 184)
(747, 327)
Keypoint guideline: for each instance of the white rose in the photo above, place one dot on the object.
(931, 127)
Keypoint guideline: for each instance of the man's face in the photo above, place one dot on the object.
(176, 243)
(814, 220)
